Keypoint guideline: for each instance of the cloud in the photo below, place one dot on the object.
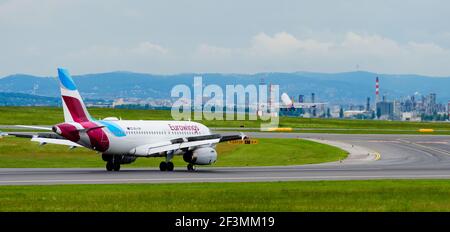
(142, 57)
(149, 48)
(33, 12)
(107, 52)
(368, 44)
(278, 52)
(427, 48)
(286, 52)
(260, 36)
(284, 43)
(210, 50)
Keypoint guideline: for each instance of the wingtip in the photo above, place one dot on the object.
(243, 136)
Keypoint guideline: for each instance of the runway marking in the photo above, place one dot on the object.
(306, 167)
(231, 179)
(426, 147)
(437, 142)
(377, 156)
(412, 148)
(378, 141)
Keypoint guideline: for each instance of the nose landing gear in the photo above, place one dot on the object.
(190, 167)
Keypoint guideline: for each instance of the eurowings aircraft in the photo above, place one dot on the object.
(122, 141)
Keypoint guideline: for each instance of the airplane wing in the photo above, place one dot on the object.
(44, 141)
(226, 138)
(44, 138)
(188, 143)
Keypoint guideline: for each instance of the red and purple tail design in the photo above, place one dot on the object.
(73, 105)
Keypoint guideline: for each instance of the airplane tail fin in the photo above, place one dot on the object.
(73, 105)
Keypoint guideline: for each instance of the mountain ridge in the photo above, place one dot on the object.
(346, 87)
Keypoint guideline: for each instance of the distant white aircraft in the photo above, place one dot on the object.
(122, 141)
(289, 103)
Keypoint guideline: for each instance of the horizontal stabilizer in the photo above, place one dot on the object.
(35, 127)
(43, 141)
(89, 129)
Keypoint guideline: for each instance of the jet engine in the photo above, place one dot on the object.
(201, 156)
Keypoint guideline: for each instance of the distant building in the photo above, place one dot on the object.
(448, 108)
(410, 116)
(368, 104)
(430, 104)
(397, 110)
(385, 109)
(353, 113)
(118, 102)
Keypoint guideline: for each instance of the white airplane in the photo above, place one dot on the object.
(122, 141)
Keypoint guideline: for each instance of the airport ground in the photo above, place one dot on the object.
(53, 115)
(383, 172)
(22, 153)
(314, 196)
(411, 173)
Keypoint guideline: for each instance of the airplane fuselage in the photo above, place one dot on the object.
(119, 137)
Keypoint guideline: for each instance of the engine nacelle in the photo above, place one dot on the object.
(201, 156)
(67, 131)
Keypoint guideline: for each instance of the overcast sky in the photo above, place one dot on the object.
(86, 36)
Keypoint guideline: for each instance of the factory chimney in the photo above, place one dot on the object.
(377, 90)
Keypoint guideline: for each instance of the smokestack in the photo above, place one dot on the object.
(377, 90)
(312, 101)
(368, 104)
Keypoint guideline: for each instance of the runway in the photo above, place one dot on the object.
(372, 157)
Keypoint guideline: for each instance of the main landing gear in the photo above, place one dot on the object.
(112, 166)
(166, 166)
(113, 162)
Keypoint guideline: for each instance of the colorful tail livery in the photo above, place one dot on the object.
(122, 141)
(73, 105)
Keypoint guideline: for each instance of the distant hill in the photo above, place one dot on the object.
(350, 87)
(21, 99)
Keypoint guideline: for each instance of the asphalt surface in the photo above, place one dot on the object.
(371, 157)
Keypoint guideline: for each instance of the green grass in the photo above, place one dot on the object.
(53, 115)
(22, 153)
(375, 195)
(337, 131)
